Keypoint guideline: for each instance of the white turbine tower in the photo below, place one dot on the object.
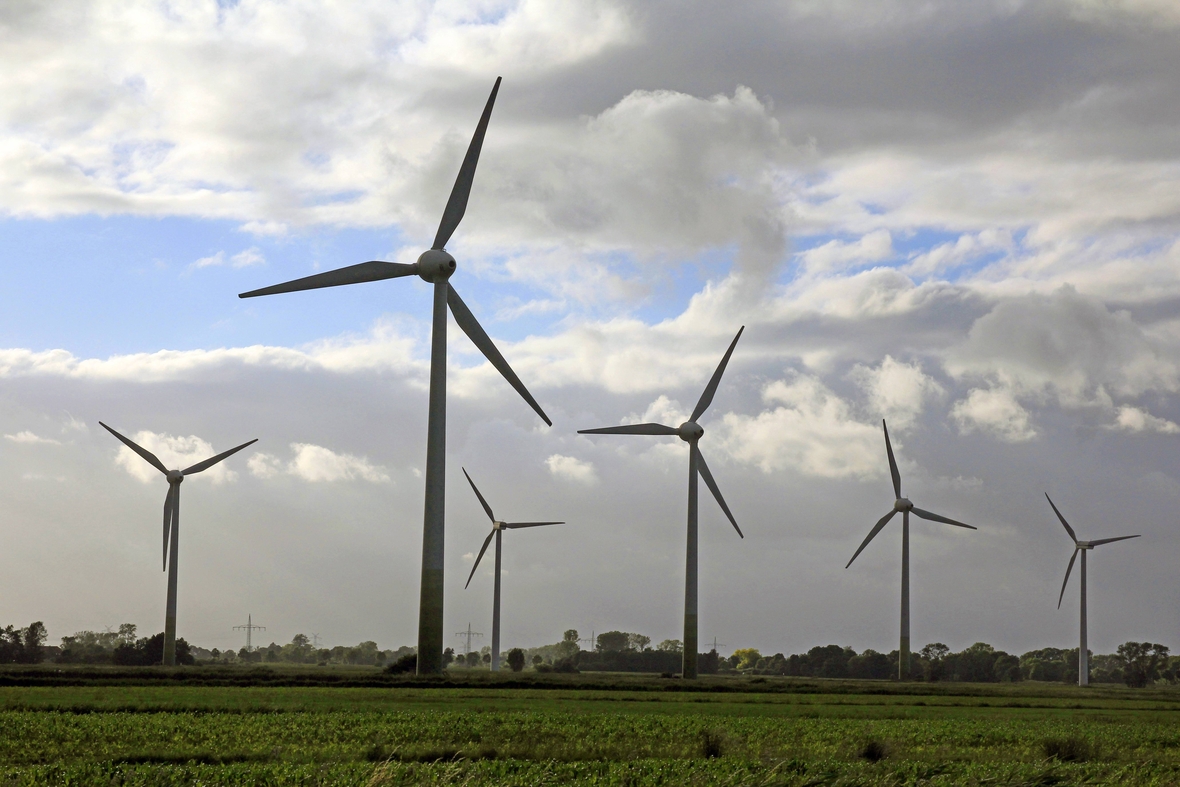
(172, 527)
(435, 266)
(690, 432)
(498, 528)
(905, 507)
(1083, 547)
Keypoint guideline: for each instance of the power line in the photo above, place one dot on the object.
(250, 629)
(467, 635)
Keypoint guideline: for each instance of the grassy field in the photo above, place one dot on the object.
(591, 730)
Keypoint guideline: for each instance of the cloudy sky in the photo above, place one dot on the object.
(961, 217)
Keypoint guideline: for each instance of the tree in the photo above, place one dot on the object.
(613, 641)
(671, 646)
(568, 647)
(516, 659)
(448, 657)
(638, 642)
(537, 660)
(1141, 662)
(33, 637)
(746, 657)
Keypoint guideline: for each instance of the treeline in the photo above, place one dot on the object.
(300, 650)
(22, 646)
(1135, 664)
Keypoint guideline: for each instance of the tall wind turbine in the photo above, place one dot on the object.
(1083, 547)
(498, 528)
(172, 527)
(435, 266)
(905, 507)
(690, 432)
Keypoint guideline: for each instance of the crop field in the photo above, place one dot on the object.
(730, 732)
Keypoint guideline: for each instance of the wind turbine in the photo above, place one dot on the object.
(435, 265)
(905, 507)
(690, 432)
(172, 527)
(1083, 547)
(498, 528)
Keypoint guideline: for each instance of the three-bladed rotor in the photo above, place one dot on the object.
(175, 477)
(1078, 546)
(690, 431)
(900, 504)
(434, 265)
(497, 525)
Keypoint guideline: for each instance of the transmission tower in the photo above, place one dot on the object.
(250, 629)
(467, 635)
(717, 644)
(315, 640)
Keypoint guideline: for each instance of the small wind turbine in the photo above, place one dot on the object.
(905, 507)
(435, 266)
(172, 527)
(690, 432)
(1083, 547)
(498, 528)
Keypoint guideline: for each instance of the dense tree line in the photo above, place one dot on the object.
(22, 646)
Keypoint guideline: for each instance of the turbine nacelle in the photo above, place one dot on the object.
(174, 476)
(435, 265)
(498, 525)
(903, 505)
(689, 431)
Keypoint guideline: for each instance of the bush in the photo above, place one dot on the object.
(149, 651)
(407, 663)
(874, 751)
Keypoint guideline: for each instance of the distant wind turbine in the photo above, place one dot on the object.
(1083, 547)
(172, 527)
(690, 432)
(498, 528)
(905, 507)
(435, 266)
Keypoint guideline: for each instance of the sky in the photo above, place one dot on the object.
(959, 217)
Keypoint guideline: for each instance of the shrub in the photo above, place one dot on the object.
(1071, 749)
(874, 751)
(407, 663)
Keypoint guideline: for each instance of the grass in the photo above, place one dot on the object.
(620, 730)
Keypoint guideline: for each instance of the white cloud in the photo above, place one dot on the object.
(175, 452)
(569, 468)
(834, 255)
(811, 431)
(316, 463)
(1134, 419)
(28, 438)
(243, 259)
(264, 465)
(896, 390)
(994, 410)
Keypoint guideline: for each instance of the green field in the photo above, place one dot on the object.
(598, 730)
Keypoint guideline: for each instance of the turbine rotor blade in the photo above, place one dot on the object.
(654, 429)
(482, 502)
(475, 332)
(514, 525)
(1102, 541)
(167, 522)
(892, 462)
(703, 470)
(374, 270)
(202, 466)
(873, 533)
(146, 454)
(482, 549)
(1068, 569)
(710, 389)
(1068, 529)
(937, 518)
(457, 203)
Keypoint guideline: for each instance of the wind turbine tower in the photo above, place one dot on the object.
(498, 529)
(903, 505)
(1083, 547)
(690, 432)
(435, 266)
(172, 527)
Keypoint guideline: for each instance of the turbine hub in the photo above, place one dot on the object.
(175, 476)
(435, 265)
(497, 525)
(689, 431)
(902, 504)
